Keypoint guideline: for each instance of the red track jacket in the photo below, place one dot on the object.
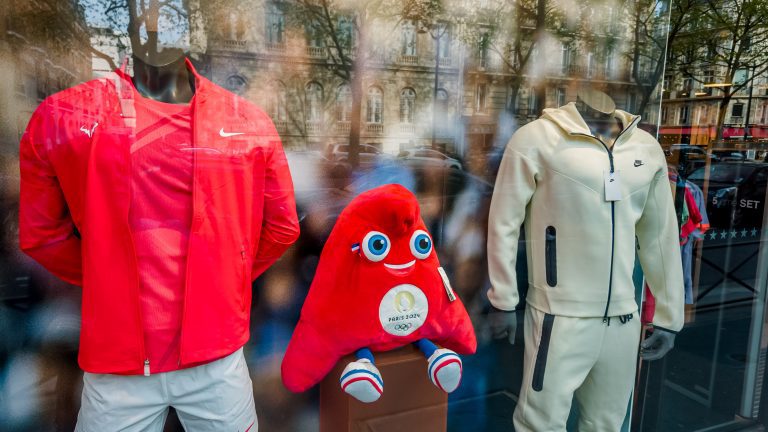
(75, 193)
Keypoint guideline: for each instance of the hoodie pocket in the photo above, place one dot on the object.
(537, 383)
(550, 250)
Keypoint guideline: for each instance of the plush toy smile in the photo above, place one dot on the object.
(357, 305)
(400, 266)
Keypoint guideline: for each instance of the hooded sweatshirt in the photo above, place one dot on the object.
(581, 247)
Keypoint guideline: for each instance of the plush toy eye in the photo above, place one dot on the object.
(421, 244)
(375, 246)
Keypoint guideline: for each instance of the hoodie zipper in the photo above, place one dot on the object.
(613, 213)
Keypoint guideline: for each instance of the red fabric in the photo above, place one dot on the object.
(694, 217)
(77, 149)
(342, 311)
(160, 215)
(649, 307)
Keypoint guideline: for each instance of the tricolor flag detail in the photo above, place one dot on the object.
(362, 380)
(445, 370)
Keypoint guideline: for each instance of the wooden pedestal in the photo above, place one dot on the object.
(410, 401)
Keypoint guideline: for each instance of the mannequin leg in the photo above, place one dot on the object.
(444, 365)
(361, 379)
(604, 396)
(559, 353)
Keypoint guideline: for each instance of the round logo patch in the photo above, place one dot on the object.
(403, 310)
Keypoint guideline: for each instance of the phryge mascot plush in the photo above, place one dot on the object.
(378, 286)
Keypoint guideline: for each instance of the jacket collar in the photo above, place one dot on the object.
(570, 120)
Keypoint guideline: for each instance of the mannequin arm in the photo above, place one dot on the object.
(514, 188)
(46, 230)
(280, 226)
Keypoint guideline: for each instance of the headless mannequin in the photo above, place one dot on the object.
(596, 108)
(163, 76)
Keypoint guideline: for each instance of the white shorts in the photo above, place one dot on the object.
(216, 396)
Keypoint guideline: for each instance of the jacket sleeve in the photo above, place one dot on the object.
(280, 223)
(46, 230)
(515, 184)
(659, 251)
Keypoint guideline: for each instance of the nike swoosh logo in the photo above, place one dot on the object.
(229, 134)
(638, 164)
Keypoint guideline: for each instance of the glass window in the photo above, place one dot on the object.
(407, 105)
(374, 102)
(408, 39)
(275, 25)
(229, 184)
(314, 98)
(481, 97)
(737, 110)
(343, 103)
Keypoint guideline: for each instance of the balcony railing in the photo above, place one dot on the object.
(316, 52)
(343, 127)
(281, 125)
(274, 46)
(446, 61)
(409, 59)
(407, 128)
(374, 128)
(313, 127)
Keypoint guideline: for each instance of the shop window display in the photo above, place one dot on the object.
(200, 188)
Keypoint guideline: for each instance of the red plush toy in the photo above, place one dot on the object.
(378, 286)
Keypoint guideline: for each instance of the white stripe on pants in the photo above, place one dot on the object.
(216, 396)
(584, 357)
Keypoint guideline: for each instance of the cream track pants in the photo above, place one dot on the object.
(567, 356)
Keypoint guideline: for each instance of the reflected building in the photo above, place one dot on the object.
(262, 52)
(44, 48)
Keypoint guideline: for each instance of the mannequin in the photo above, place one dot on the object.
(163, 76)
(164, 320)
(596, 108)
(591, 190)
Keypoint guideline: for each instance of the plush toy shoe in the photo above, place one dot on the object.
(445, 369)
(362, 380)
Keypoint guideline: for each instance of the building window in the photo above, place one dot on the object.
(560, 96)
(315, 36)
(275, 25)
(236, 84)
(373, 106)
(314, 95)
(277, 105)
(609, 62)
(446, 39)
(442, 101)
(345, 31)
(565, 59)
(481, 96)
(408, 39)
(485, 41)
(631, 102)
(709, 76)
(664, 114)
(737, 110)
(683, 119)
(591, 65)
(407, 105)
(533, 103)
(343, 103)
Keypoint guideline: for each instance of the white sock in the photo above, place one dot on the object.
(362, 380)
(445, 369)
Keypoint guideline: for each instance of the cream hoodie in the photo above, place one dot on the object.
(580, 247)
